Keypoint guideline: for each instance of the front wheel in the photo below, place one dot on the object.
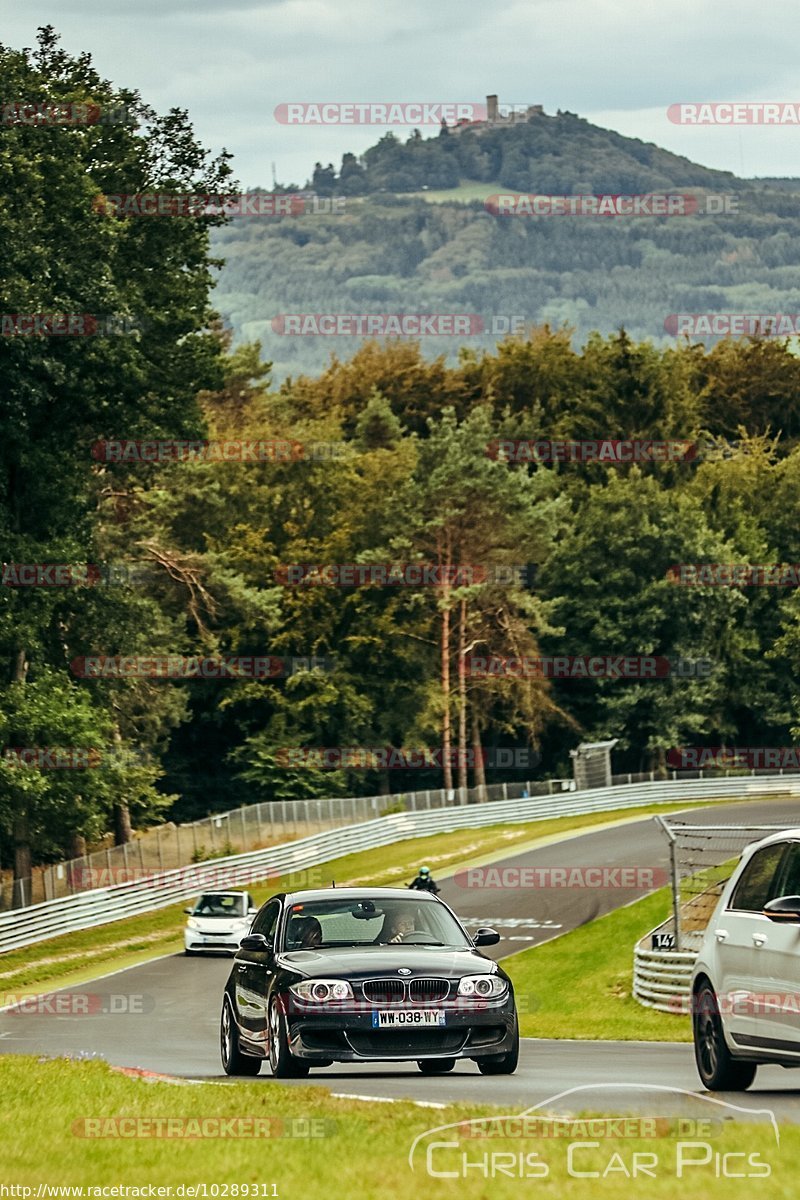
(718, 1071)
(435, 1066)
(283, 1063)
(233, 1061)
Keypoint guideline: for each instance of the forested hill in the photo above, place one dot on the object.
(410, 233)
(561, 153)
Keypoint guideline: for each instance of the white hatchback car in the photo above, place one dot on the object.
(746, 981)
(218, 921)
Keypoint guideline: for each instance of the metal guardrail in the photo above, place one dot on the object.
(252, 827)
(24, 927)
(662, 978)
(270, 823)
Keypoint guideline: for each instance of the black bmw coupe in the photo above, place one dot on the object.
(365, 975)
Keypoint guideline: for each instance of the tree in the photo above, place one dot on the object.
(66, 251)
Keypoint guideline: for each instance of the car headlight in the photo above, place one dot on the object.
(192, 923)
(484, 987)
(320, 991)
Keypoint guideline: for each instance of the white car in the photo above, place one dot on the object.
(218, 921)
(746, 981)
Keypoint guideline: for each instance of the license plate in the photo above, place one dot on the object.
(403, 1018)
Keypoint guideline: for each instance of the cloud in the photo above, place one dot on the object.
(231, 63)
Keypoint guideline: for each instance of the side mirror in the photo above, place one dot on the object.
(257, 943)
(251, 912)
(785, 909)
(486, 937)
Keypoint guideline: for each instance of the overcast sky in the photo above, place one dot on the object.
(619, 63)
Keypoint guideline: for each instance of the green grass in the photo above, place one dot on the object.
(467, 190)
(363, 1155)
(74, 958)
(579, 985)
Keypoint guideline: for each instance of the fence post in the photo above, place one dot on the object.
(244, 831)
(676, 882)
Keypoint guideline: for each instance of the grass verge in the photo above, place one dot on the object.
(74, 958)
(362, 1153)
(579, 985)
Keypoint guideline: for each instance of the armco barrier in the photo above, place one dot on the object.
(23, 927)
(662, 978)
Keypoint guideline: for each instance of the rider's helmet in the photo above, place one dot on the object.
(424, 870)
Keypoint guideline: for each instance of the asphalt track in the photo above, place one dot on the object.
(176, 1031)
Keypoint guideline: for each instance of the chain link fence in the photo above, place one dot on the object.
(253, 827)
(702, 860)
(257, 826)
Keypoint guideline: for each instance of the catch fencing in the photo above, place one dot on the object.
(100, 906)
(252, 827)
(702, 859)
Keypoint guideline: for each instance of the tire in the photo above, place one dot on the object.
(503, 1064)
(190, 953)
(282, 1062)
(718, 1071)
(233, 1061)
(435, 1066)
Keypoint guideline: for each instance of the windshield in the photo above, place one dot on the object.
(366, 922)
(214, 904)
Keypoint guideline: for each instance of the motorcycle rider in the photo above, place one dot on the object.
(424, 882)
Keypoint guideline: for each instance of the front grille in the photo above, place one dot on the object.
(390, 1043)
(428, 991)
(384, 991)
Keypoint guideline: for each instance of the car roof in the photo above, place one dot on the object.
(782, 835)
(359, 893)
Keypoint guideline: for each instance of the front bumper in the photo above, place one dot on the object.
(347, 1035)
(197, 941)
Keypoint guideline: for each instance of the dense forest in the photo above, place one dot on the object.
(393, 460)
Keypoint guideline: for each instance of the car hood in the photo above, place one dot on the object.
(368, 962)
